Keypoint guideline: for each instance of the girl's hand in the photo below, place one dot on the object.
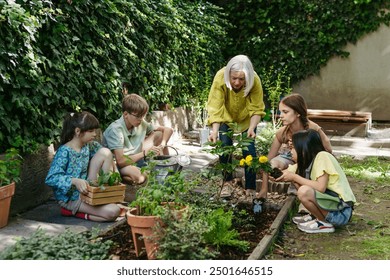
(80, 184)
(287, 176)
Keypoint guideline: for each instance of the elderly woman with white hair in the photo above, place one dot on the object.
(236, 97)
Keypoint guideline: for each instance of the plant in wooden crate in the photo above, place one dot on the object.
(10, 166)
(155, 202)
(106, 189)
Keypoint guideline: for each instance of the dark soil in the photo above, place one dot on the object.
(123, 248)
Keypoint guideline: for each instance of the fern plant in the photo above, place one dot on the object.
(220, 232)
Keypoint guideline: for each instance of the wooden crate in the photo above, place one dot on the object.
(99, 196)
(342, 123)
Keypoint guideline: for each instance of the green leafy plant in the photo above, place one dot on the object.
(183, 239)
(276, 85)
(264, 138)
(234, 154)
(156, 197)
(220, 232)
(66, 246)
(10, 167)
(110, 178)
(299, 35)
(67, 70)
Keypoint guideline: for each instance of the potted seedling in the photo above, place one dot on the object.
(154, 202)
(10, 166)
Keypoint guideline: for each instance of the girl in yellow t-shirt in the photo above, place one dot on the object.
(322, 186)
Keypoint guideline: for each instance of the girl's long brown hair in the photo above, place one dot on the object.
(296, 102)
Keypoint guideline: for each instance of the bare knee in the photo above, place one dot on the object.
(169, 131)
(305, 193)
(160, 135)
(132, 173)
(275, 163)
(105, 153)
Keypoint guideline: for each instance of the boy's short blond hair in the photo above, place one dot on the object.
(135, 104)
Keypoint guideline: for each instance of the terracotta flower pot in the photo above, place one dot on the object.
(6, 193)
(143, 232)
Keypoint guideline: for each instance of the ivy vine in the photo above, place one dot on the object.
(298, 36)
(59, 56)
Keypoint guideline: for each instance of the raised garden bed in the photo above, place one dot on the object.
(264, 231)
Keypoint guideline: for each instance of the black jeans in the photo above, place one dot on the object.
(250, 176)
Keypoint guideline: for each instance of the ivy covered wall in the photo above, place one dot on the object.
(298, 36)
(59, 56)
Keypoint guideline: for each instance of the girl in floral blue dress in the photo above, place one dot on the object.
(77, 161)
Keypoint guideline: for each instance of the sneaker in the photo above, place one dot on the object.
(302, 219)
(316, 226)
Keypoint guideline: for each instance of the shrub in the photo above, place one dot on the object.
(66, 246)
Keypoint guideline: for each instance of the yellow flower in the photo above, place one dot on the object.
(242, 162)
(263, 159)
(248, 160)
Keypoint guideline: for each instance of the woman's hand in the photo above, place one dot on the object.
(80, 184)
(251, 133)
(213, 137)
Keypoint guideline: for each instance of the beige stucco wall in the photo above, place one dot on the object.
(360, 82)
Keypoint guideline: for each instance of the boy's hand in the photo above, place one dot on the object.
(156, 150)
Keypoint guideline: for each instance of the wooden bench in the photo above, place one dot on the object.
(342, 123)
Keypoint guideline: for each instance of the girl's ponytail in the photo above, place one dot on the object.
(67, 128)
